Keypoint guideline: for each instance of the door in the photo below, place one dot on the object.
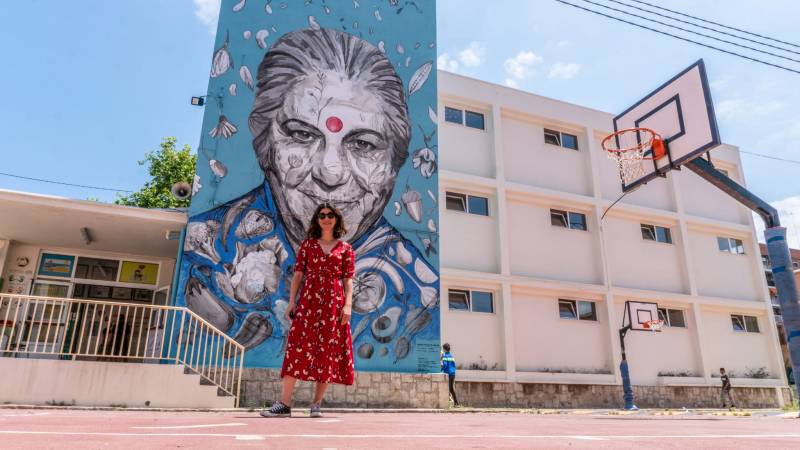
(45, 319)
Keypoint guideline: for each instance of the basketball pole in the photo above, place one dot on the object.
(777, 249)
(627, 390)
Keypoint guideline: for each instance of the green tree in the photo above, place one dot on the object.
(167, 166)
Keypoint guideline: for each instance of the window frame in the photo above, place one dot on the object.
(664, 314)
(575, 307)
(470, 303)
(745, 327)
(653, 230)
(569, 224)
(461, 114)
(559, 138)
(732, 243)
(475, 113)
(465, 202)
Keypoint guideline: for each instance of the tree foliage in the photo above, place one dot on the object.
(167, 166)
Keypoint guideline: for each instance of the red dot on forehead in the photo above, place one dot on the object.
(334, 124)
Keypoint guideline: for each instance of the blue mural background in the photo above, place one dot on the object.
(402, 247)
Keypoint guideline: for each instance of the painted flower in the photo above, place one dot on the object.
(425, 160)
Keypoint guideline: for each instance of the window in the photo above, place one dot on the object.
(672, 317)
(456, 202)
(730, 245)
(568, 219)
(796, 264)
(472, 204)
(474, 120)
(482, 302)
(560, 139)
(471, 119)
(765, 260)
(96, 269)
(744, 323)
(458, 299)
(475, 301)
(577, 309)
(656, 233)
(770, 279)
(453, 115)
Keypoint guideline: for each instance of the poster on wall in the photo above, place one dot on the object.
(53, 265)
(312, 102)
(136, 272)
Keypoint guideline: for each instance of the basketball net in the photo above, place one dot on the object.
(628, 148)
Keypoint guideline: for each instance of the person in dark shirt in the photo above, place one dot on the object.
(449, 367)
(726, 389)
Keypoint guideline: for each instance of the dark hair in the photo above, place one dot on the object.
(722, 369)
(308, 53)
(314, 231)
(446, 347)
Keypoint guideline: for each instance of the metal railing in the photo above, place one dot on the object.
(87, 330)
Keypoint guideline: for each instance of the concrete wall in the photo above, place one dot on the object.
(88, 383)
(722, 274)
(473, 154)
(737, 351)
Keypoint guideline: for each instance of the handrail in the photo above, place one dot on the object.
(50, 327)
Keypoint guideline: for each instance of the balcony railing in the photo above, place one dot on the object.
(60, 328)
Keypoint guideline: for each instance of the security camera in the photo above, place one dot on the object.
(181, 190)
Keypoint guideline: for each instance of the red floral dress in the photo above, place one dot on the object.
(319, 347)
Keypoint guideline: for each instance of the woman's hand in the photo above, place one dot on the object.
(346, 313)
(289, 313)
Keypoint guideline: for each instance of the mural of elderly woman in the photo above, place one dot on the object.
(330, 124)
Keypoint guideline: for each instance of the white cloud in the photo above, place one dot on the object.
(789, 212)
(521, 66)
(564, 71)
(510, 82)
(445, 62)
(207, 11)
(474, 55)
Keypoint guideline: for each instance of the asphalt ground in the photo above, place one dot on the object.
(92, 429)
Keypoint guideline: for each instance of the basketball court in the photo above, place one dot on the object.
(29, 429)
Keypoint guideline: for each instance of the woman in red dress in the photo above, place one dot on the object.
(319, 347)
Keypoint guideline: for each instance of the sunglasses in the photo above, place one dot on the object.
(329, 215)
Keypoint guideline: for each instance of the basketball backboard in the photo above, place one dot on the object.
(680, 111)
(638, 314)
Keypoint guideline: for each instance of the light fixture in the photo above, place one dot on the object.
(199, 101)
(87, 238)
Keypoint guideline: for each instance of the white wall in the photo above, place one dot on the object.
(88, 383)
(528, 160)
(713, 203)
(543, 340)
(464, 149)
(470, 242)
(721, 274)
(474, 336)
(539, 249)
(737, 351)
(638, 263)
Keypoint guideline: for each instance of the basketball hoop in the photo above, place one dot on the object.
(653, 325)
(628, 148)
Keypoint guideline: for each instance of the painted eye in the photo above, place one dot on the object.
(301, 136)
(362, 145)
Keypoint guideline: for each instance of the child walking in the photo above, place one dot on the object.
(449, 367)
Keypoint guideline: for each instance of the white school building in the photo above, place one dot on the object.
(533, 284)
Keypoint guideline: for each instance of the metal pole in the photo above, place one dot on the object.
(777, 249)
(786, 285)
(624, 372)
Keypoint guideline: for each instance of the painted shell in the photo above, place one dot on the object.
(255, 330)
(385, 325)
(365, 351)
(202, 302)
(413, 203)
(369, 292)
(401, 348)
(255, 223)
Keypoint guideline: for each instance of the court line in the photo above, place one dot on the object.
(176, 427)
(409, 436)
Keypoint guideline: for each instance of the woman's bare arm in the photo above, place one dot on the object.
(297, 281)
(348, 300)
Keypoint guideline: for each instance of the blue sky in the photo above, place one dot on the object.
(91, 85)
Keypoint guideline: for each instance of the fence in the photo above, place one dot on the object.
(60, 328)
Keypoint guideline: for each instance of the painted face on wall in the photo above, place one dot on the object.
(329, 142)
